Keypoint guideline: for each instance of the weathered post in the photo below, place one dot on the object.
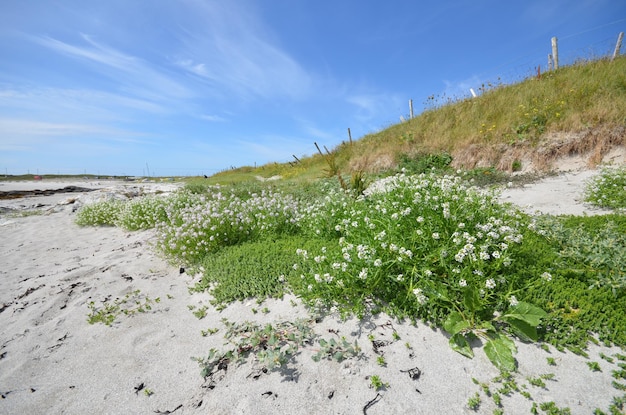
(410, 109)
(555, 53)
(618, 45)
(350, 135)
(549, 62)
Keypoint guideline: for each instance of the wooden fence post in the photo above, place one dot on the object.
(618, 45)
(350, 135)
(549, 62)
(318, 149)
(555, 53)
(410, 109)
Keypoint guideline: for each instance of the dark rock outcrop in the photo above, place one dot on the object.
(16, 194)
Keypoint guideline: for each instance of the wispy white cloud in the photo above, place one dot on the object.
(213, 118)
(311, 129)
(231, 49)
(370, 106)
(83, 104)
(27, 134)
(132, 73)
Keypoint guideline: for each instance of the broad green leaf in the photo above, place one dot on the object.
(459, 343)
(323, 342)
(455, 323)
(526, 312)
(486, 325)
(500, 354)
(471, 300)
(338, 356)
(508, 343)
(522, 329)
(442, 293)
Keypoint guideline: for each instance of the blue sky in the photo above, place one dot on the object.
(186, 87)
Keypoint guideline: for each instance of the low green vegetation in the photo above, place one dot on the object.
(418, 240)
(377, 383)
(425, 247)
(608, 189)
(108, 311)
(270, 346)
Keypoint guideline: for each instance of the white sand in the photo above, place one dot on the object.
(53, 361)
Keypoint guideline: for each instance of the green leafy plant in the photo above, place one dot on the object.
(522, 320)
(552, 409)
(594, 366)
(424, 163)
(539, 380)
(474, 402)
(201, 312)
(209, 332)
(132, 303)
(272, 346)
(618, 386)
(377, 383)
(428, 247)
(608, 189)
(380, 360)
(337, 350)
(607, 358)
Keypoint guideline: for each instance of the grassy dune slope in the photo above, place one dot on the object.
(579, 109)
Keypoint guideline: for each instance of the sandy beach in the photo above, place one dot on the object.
(53, 361)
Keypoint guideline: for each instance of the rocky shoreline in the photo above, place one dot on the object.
(16, 194)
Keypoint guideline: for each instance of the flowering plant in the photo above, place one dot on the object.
(428, 247)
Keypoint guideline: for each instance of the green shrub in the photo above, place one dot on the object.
(424, 163)
(104, 213)
(258, 269)
(608, 189)
(432, 248)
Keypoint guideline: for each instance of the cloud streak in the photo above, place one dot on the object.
(132, 73)
(233, 51)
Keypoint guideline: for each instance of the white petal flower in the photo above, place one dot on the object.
(546, 276)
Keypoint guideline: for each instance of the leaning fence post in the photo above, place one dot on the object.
(350, 135)
(618, 45)
(555, 53)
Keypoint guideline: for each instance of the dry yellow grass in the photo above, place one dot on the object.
(579, 109)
